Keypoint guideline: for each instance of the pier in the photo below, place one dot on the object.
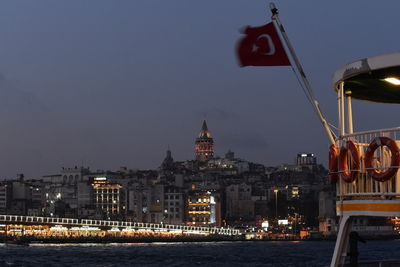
(33, 228)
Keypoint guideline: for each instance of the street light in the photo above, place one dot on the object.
(276, 202)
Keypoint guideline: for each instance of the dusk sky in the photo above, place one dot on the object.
(113, 83)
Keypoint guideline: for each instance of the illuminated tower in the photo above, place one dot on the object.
(204, 144)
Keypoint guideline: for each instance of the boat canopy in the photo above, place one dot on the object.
(375, 79)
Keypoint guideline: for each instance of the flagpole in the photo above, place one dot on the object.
(300, 70)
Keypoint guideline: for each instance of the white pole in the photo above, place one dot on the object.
(349, 113)
(300, 70)
(339, 99)
(342, 122)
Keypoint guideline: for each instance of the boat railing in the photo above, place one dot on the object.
(364, 185)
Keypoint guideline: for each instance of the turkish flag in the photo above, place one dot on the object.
(262, 47)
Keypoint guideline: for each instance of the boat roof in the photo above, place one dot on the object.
(375, 79)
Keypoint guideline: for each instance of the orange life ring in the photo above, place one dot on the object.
(349, 175)
(333, 164)
(394, 162)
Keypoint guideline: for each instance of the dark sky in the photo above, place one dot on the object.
(113, 83)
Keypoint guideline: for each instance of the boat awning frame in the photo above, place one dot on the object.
(365, 79)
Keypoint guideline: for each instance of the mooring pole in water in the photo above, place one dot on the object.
(353, 252)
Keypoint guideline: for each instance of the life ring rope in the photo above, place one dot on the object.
(382, 168)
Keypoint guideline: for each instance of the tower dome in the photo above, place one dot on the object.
(204, 144)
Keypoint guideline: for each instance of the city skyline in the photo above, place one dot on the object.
(112, 85)
(198, 155)
(179, 132)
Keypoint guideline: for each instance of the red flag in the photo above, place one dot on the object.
(262, 47)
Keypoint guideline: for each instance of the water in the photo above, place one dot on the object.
(188, 254)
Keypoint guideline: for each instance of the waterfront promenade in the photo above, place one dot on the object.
(31, 228)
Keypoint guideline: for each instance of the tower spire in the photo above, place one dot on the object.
(204, 132)
(204, 127)
(204, 144)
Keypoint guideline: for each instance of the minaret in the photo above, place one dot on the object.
(168, 162)
(204, 144)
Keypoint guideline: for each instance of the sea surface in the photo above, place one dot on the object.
(269, 253)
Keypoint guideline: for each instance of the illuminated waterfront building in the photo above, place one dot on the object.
(306, 159)
(108, 197)
(396, 223)
(203, 208)
(204, 144)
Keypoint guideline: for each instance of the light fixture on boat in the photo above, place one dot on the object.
(392, 80)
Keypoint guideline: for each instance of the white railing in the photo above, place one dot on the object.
(364, 184)
(119, 224)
